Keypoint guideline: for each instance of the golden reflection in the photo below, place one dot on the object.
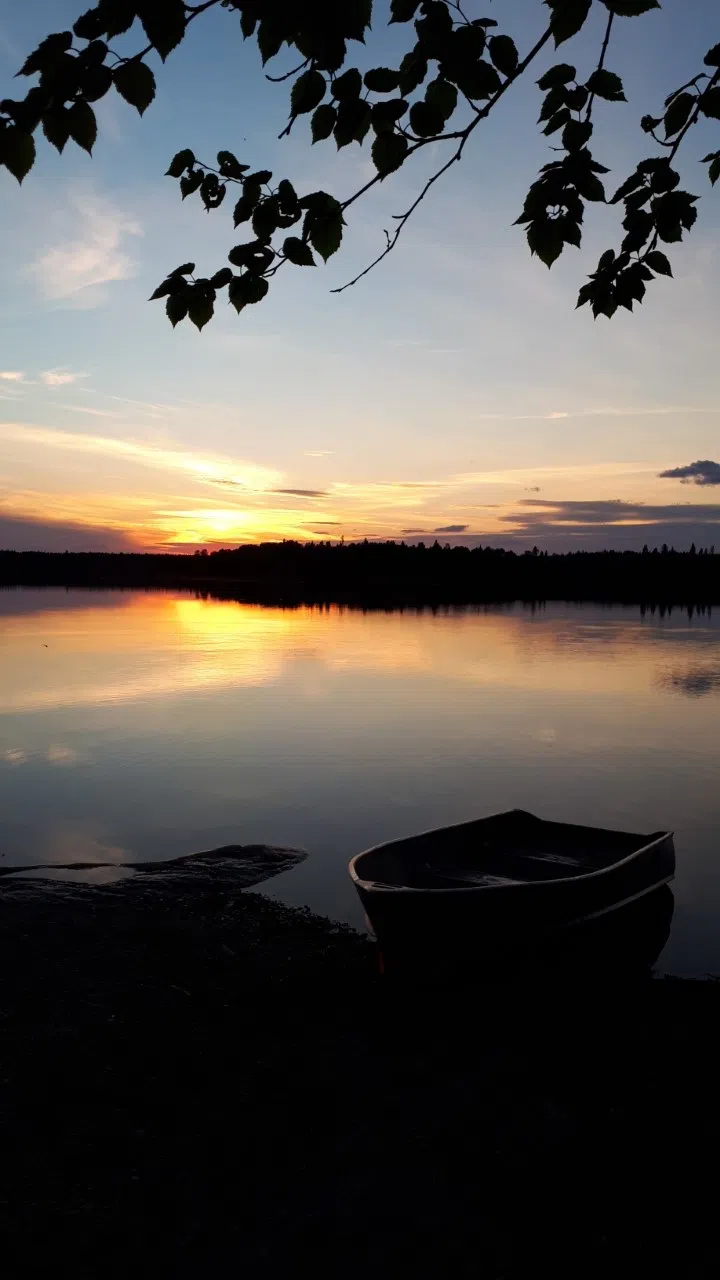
(120, 648)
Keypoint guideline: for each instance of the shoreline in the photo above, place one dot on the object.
(195, 1078)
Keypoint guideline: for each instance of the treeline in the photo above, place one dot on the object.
(391, 572)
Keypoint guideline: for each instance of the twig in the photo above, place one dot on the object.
(601, 63)
(288, 74)
(692, 119)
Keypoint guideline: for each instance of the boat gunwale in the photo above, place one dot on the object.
(379, 886)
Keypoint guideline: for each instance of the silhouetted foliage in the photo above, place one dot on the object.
(387, 573)
(456, 69)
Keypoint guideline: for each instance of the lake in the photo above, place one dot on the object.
(141, 725)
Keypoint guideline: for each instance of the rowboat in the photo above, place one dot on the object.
(504, 882)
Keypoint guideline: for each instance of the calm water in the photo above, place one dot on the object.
(145, 725)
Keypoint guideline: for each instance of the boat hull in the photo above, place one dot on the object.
(480, 922)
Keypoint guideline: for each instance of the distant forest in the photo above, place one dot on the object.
(387, 573)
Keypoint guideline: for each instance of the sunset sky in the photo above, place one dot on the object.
(454, 393)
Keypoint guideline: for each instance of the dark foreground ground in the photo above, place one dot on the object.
(197, 1082)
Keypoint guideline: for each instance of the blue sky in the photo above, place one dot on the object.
(454, 390)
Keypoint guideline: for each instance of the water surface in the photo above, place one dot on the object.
(146, 725)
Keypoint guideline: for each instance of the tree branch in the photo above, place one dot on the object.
(463, 135)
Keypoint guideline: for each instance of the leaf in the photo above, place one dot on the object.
(403, 10)
(269, 38)
(712, 57)
(478, 81)
(256, 256)
(554, 99)
(265, 218)
(639, 225)
(247, 289)
(95, 83)
(577, 97)
(425, 120)
(658, 262)
(135, 83)
(181, 161)
(545, 239)
(714, 170)
(230, 166)
(83, 125)
(17, 151)
(323, 122)
(48, 51)
(287, 195)
(413, 70)
(630, 184)
(504, 54)
(56, 127)
(384, 115)
(570, 230)
(631, 8)
(382, 80)
(557, 121)
(325, 225)
(388, 152)
(605, 84)
(638, 198)
(710, 103)
(562, 73)
(575, 134)
(353, 121)
(248, 23)
(201, 306)
(678, 113)
(186, 269)
(118, 16)
(567, 18)
(442, 96)
(168, 286)
(664, 178)
(89, 25)
(211, 193)
(190, 183)
(356, 18)
(297, 251)
(348, 85)
(163, 22)
(176, 308)
(221, 278)
(434, 27)
(648, 123)
(590, 187)
(307, 91)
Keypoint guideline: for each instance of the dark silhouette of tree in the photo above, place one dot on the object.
(456, 70)
(381, 574)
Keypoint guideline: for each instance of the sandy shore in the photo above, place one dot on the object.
(198, 1081)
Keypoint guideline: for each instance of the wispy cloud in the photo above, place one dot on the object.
(94, 413)
(450, 528)
(703, 472)
(60, 377)
(93, 255)
(318, 453)
(12, 375)
(202, 467)
(602, 411)
(303, 493)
